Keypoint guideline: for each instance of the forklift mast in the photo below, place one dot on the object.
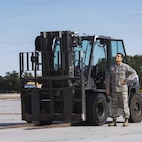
(56, 50)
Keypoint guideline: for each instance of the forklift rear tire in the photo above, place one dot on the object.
(135, 109)
(97, 109)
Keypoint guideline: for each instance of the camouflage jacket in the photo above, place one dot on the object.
(116, 74)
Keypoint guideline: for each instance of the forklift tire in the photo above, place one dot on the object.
(45, 122)
(97, 109)
(29, 121)
(41, 123)
(135, 109)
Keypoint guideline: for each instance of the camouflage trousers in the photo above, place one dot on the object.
(122, 99)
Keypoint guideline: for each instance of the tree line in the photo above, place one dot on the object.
(10, 83)
(136, 63)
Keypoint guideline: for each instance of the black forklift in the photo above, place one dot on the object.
(64, 79)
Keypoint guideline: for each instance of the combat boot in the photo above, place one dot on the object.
(126, 123)
(113, 123)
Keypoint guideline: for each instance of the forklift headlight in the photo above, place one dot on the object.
(76, 41)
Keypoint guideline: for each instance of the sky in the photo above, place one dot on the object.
(22, 20)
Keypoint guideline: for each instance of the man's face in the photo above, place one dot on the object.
(119, 58)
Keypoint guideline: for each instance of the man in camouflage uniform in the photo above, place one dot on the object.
(118, 76)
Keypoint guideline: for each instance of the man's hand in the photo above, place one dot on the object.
(123, 82)
(107, 97)
(108, 93)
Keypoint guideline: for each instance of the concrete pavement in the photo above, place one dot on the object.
(10, 110)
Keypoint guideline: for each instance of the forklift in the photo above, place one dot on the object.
(64, 79)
